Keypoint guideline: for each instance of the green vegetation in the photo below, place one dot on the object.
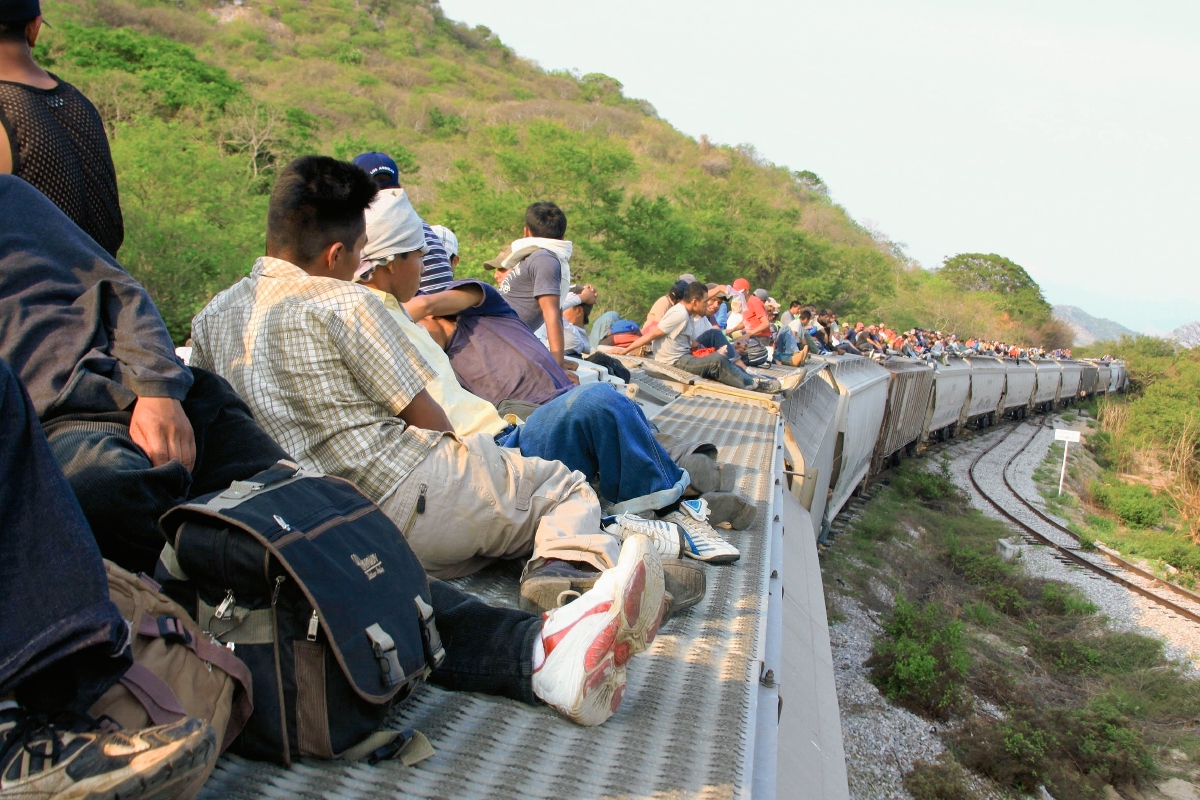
(1071, 704)
(204, 103)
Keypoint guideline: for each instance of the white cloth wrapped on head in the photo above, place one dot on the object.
(393, 227)
(449, 240)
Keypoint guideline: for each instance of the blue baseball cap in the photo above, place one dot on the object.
(19, 10)
(373, 164)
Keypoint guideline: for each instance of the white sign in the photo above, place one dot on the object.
(1064, 435)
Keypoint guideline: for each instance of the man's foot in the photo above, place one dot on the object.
(731, 508)
(767, 386)
(700, 541)
(580, 656)
(703, 470)
(791, 382)
(664, 535)
(43, 758)
(555, 583)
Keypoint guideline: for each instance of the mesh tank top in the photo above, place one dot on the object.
(59, 146)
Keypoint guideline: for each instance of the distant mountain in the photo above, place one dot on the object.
(1089, 329)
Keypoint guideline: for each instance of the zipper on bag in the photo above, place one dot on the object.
(313, 626)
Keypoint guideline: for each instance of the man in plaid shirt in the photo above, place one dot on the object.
(332, 377)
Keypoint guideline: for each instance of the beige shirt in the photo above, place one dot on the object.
(468, 413)
(324, 368)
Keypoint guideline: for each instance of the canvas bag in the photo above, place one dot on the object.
(320, 595)
(178, 671)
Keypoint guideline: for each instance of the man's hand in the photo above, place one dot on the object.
(162, 430)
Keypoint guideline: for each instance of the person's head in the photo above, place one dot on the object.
(794, 307)
(858, 326)
(315, 216)
(382, 169)
(572, 309)
(587, 293)
(687, 277)
(675, 293)
(805, 315)
(762, 295)
(20, 23)
(741, 285)
(393, 257)
(449, 241)
(772, 308)
(545, 220)
(496, 265)
(695, 299)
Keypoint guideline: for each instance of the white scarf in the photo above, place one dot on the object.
(561, 248)
(393, 227)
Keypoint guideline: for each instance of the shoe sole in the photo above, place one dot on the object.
(187, 761)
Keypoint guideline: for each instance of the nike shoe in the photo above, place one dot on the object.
(700, 541)
(580, 656)
(665, 536)
(73, 759)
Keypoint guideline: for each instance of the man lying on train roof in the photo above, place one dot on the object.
(675, 343)
(483, 356)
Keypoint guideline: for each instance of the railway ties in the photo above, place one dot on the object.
(1039, 529)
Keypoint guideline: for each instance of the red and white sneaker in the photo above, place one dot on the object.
(579, 659)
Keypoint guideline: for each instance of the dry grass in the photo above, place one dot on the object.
(1185, 490)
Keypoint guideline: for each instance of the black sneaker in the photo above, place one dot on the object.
(71, 758)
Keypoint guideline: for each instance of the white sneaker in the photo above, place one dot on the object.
(700, 540)
(665, 536)
(786, 385)
(579, 659)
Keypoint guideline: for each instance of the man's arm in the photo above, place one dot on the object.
(424, 412)
(444, 304)
(554, 330)
(644, 339)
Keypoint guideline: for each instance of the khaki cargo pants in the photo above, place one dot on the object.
(483, 502)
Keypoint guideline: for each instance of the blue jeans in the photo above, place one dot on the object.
(596, 430)
(717, 339)
(62, 643)
(717, 367)
(785, 346)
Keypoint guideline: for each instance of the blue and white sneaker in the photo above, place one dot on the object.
(700, 540)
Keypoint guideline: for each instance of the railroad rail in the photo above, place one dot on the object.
(1071, 554)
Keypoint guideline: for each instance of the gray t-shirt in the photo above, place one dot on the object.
(538, 275)
(681, 328)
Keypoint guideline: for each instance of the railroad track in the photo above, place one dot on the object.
(1010, 503)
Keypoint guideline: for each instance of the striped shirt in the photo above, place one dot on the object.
(325, 369)
(437, 274)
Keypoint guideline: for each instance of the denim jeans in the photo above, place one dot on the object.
(717, 339)
(123, 496)
(785, 346)
(596, 430)
(488, 648)
(717, 367)
(62, 643)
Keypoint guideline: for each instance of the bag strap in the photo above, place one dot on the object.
(155, 695)
(170, 629)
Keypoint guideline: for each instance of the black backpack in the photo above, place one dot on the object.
(307, 581)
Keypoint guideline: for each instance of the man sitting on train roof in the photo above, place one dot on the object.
(675, 343)
(592, 429)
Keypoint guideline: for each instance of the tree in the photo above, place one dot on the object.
(1188, 335)
(1019, 294)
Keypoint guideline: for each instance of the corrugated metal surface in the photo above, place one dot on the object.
(1072, 372)
(1103, 376)
(863, 387)
(951, 390)
(1021, 377)
(910, 388)
(810, 412)
(681, 732)
(1116, 380)
(987, 385)
(1049, 378)
(1088, 376)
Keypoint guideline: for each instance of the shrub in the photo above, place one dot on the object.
(1136, 506)
(921, 662)
(943, 779)
(1065, 600)
(1074, 752)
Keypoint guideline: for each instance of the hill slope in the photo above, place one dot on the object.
(204, 102)
(1089, 329)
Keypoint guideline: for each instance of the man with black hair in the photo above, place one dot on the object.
(51, 135)
(333, 377)
(539, 273)
(675, 344)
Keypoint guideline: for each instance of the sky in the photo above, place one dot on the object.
(1060, 134)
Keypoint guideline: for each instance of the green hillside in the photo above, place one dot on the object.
(203, 103)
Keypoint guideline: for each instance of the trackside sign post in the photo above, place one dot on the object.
(1066, 437)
